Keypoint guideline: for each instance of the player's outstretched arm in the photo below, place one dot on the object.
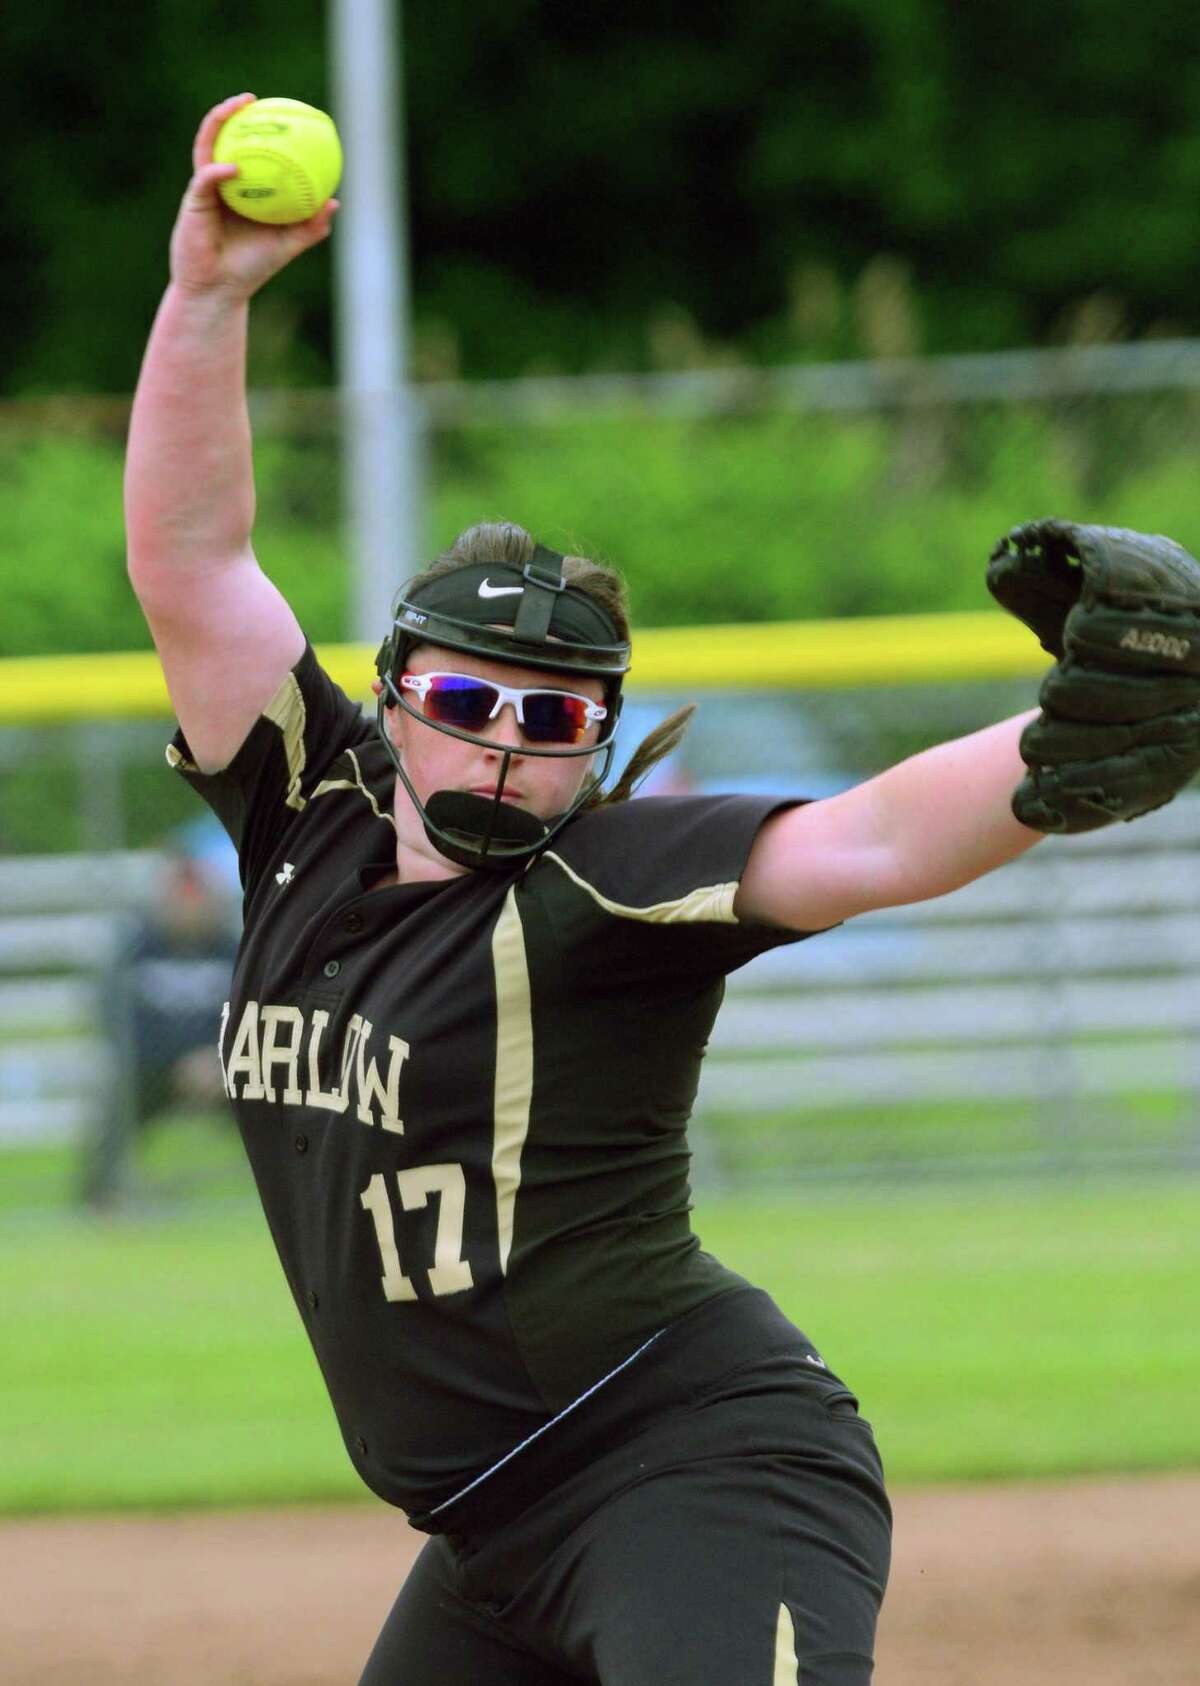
(1118, 735)
(925, 827)
(225, 635)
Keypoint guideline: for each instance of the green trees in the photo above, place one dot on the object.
(763, 516)
(636, 185)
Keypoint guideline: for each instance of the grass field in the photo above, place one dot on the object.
(1029, 1329)
(908, 1139)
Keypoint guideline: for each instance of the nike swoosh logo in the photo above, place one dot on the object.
(489, 590)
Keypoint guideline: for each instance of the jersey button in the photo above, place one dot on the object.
(301, 1144)
(354, 922)
(362, 1446)
(331, 968)
(312, 1298)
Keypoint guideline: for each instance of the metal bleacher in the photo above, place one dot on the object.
(61, 918)
(1073, 972)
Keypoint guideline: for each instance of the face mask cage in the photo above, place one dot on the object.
(481, 831)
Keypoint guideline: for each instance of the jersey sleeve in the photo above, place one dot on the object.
(655, 879)
(264, 790)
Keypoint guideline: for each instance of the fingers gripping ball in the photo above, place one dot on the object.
(289, 160)
(1119, 731)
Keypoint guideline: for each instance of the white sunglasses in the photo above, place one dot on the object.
(544, 716)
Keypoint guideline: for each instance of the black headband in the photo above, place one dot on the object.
(529, 616)
(494, 594)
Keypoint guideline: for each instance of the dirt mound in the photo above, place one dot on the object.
(1088, 1582)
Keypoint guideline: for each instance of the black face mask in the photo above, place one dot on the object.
(531, 618)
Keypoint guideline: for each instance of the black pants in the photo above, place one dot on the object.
(740, 1536)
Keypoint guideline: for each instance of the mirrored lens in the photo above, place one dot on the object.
(456, 700)
(553, 717)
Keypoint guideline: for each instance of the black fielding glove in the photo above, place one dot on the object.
(1119, 731)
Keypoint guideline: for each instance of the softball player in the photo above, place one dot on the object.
(463, 1039)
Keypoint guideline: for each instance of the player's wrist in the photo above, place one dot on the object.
(210, 300)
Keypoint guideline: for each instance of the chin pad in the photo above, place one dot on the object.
(477, 830)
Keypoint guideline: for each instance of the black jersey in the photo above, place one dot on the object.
(465, 1101)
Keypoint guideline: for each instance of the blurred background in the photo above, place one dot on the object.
(789, 312)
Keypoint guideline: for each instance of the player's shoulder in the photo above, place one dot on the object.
(659, 849)
(361, 774)
(338, 738)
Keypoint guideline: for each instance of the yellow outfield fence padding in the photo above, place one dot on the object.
(872, 650)
(796, 655)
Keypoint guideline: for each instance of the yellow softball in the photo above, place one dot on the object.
(289, 160)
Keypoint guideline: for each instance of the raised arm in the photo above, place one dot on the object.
(224, 633)
(925, 827)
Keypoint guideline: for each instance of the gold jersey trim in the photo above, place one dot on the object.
(514, 1067)
(787, 1663)
(179, 762)
(709, 903)
(328, 786)
(286, 710)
